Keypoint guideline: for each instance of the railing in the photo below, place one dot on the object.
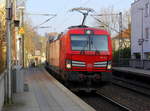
(143, 64)
(136, 63)
(123, 62)
(2, 89)
(17, 84)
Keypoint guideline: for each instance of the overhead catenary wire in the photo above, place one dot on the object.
(107, 24)
(40, 14)
(39, 26)
(63, 21)
(84, 11)
(86, 2)
(44, 22)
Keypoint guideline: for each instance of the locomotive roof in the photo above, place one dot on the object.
(84, 27)
(78, 26)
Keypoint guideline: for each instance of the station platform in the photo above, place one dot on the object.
(140, 72)
(44, 93)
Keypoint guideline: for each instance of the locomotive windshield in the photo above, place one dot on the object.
(89, 42)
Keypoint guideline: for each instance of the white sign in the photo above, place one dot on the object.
(37, 53)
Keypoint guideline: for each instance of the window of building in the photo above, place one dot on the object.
(147, 55)
(137, 55)
(147, 10)
(147, 33)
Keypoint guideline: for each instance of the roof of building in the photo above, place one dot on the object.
(135, 1)
(125, 34)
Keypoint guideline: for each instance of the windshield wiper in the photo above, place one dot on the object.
(83, 49)
(96, 51)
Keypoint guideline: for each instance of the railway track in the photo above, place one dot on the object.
(124, 108)
(132, 100)
(101, 102)
(143, 89)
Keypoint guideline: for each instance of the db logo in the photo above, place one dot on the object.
(89, 65)
(102, 57)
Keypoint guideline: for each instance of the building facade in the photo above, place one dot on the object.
(140, 26)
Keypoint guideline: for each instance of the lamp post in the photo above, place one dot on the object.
(9, 37)
(22, 35)
(141, 40)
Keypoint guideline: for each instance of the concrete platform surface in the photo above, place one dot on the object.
(140, 72)
(44, 93)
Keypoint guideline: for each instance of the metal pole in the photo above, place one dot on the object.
(15, 32)
(8, 34)
(84, 17)
(23, 58)
(142, 36)
(142, 40)
(120, 36)
(22, 24)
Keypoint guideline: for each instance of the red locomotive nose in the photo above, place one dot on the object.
(81, 53)
(89, 65)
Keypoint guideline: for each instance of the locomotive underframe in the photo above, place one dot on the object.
(94, 76)
(81, 80)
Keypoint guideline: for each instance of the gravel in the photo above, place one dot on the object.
(133, 100)
(98, 102)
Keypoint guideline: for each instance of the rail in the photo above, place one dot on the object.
(133, 86)
(124, 108)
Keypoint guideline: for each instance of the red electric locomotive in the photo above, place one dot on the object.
(81, 57)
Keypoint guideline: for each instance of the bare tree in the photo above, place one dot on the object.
(2, 38)
(126, 19)
(109, 19)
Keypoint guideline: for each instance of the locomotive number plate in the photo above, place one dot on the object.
(89, 65)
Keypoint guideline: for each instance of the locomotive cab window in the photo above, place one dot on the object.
(79, 42)
(89, 42)
(99, 43)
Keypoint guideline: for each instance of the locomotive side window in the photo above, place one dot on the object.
(89, 42)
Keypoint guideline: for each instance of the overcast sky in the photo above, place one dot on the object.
(64, 17)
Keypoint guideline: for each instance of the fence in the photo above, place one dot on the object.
(136, 63)
(143, 64)
(17, 84)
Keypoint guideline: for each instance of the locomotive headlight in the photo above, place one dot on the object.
(109, 66)
(88, 32)
(68, 64)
